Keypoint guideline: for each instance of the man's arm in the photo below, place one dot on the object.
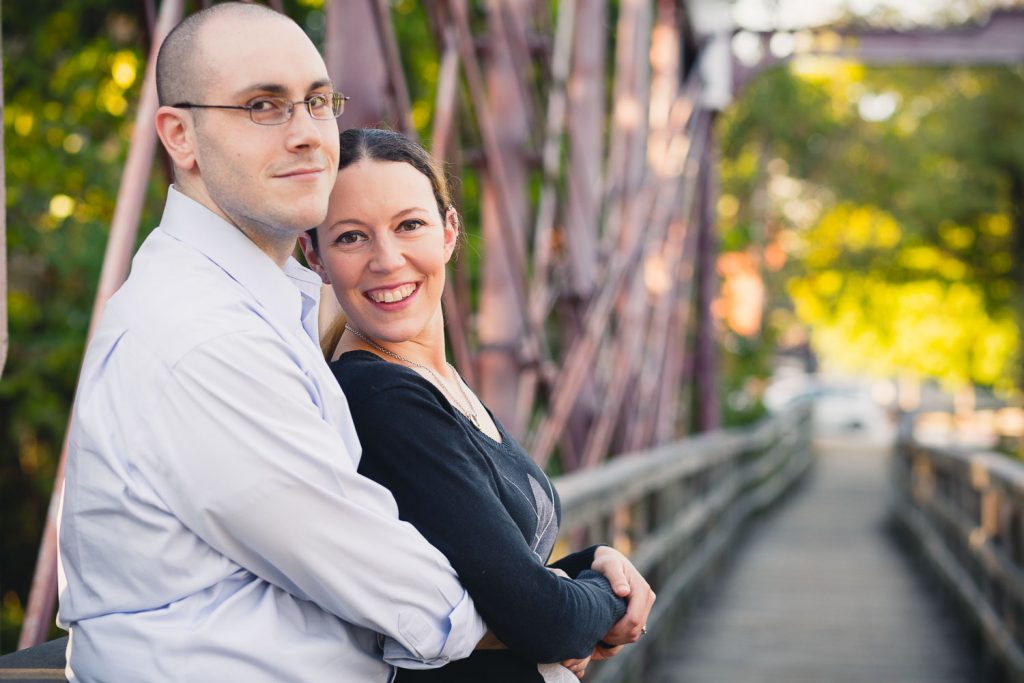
(241, 455)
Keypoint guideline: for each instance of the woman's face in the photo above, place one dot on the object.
(383, 249)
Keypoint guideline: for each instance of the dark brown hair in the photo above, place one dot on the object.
(376, 144)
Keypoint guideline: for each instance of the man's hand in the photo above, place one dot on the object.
(490, 642)
(627, 583)
(577, 666)
(557, 572)
(602, 653)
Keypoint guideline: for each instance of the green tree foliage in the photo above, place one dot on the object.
(897, 194)
(71, 78)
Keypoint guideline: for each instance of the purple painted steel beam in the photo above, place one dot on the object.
(580, 355)
(586, 146)
(625, 164)
(4, 335)
(709, 412)
(677, 339)
(442, 137)
(397, 87)
(1000, 41)
(356, 63)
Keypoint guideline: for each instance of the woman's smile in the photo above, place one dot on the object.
(392, 296)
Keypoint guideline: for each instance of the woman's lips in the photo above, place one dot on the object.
(391, 295)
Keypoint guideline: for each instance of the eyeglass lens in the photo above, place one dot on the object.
(274, 110)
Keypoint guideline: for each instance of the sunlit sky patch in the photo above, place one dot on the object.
(764, 15)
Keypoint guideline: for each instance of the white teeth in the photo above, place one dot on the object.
(392, 295)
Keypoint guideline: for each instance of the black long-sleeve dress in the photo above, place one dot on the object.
(490, 509)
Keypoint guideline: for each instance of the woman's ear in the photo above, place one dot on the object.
(451, 232)
(176, 130)
(313, 257)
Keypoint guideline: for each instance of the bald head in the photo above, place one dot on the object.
(180, 72)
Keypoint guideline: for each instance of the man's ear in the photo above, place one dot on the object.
(313, 257)
(176, 130)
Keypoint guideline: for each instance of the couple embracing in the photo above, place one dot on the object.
(236, 507)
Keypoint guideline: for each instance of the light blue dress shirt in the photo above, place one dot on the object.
(214, 527)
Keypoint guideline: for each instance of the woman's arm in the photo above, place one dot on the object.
(445, 487)
(574, 563)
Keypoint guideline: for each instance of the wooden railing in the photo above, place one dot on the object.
(674, 509)
(677, 508)
(965, 509)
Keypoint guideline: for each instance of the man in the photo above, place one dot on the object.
(213, 526)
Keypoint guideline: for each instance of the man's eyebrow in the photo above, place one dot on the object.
(278, 89)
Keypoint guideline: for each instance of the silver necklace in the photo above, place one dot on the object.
(465, 406)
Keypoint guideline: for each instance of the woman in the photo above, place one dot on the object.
(455, 472)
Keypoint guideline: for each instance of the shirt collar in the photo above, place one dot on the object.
(290, 293)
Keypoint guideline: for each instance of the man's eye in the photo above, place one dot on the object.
(265, 105)
(318, 101)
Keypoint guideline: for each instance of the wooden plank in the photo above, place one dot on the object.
(821, 593)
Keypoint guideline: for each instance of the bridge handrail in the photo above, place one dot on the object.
(676, 508)
(965, 508)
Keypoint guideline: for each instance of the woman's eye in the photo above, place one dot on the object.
(410, 225)
(350, 237)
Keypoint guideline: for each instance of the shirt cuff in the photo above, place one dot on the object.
(435, 647)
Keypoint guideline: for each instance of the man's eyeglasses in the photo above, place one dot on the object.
(272, 111)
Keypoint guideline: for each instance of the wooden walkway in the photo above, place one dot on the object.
(820, 592)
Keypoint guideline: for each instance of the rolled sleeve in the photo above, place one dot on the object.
(465, 629)
(247, 462)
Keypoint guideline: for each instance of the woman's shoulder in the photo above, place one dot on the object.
(363, 374)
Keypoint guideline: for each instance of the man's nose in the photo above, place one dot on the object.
(306, 132)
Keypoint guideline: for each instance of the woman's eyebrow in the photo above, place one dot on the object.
(411, 209)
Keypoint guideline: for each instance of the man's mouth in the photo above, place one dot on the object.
(300, 173)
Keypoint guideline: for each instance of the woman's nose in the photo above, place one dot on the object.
(387, 255)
